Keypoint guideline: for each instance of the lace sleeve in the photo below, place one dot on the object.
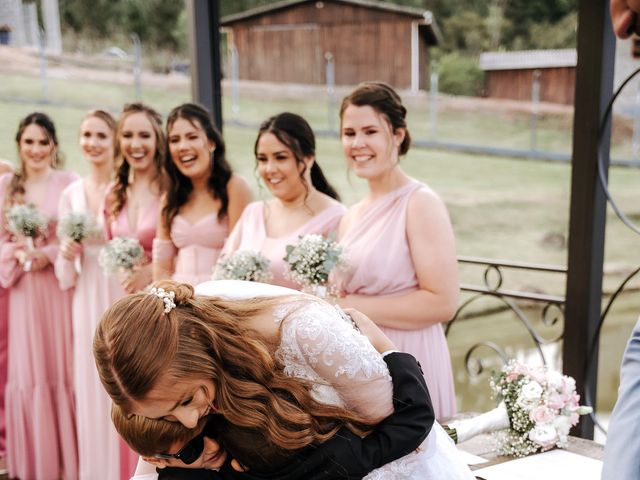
(317, 339)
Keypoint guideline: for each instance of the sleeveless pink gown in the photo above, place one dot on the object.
(380, 263)
(39, 397)
(4, 313)
(250, 234)
(195, 247)
(93, 292)
(144, 231)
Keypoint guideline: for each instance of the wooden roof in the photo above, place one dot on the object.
(528, 59)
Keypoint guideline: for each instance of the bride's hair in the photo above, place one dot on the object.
(205, 338)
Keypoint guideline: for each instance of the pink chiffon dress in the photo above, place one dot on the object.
(380, 263)
(4, 312)
(98, 441)
(250, 233)
(145, 232)
(39, 397)
(194, 246)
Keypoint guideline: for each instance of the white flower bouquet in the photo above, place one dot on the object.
(25, 220)
(120, 253)
(311, 261)
(538, 408)
(77, 226)
(243, 265)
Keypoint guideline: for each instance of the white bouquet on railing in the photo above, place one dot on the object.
(311, 261)
(121, 253)
(537, 410)
(243, 265)
(25, 220)
(78, 226)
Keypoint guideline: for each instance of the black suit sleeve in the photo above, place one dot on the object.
(346, 455)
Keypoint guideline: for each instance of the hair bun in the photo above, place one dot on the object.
(184, 292)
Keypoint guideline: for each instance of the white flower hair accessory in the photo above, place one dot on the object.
(166, 296)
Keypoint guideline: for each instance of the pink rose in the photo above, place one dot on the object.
(541, 415)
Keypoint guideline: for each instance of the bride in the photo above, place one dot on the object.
(287, 364)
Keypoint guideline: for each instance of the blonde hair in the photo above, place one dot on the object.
(118, 195)
(137, 343)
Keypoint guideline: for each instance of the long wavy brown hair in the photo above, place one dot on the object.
(15, 190)
(137, 344)
(118, 194)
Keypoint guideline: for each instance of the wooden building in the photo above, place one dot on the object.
(512, 74)
(291, 41)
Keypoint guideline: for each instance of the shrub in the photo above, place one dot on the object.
(459, 75)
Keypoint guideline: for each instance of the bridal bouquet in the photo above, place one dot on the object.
(121, 253)
(27, 221)
(77, 226)
(538, 408)
(311, 261)
(243, 265)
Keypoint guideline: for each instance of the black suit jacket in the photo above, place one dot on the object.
(346, 455)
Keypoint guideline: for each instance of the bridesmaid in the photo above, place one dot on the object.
(398, 240)
(39, 398)
(132, 204)
(303, 200)
(98, 445)
(5, 167)
(203, 201)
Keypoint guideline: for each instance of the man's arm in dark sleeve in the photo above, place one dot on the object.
(346, 455)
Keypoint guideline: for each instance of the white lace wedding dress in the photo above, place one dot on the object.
(319, 345)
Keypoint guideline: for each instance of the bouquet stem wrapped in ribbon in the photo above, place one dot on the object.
(537, 410)
(77, 226)
(28, 222)
(243, 265)
(311, 261)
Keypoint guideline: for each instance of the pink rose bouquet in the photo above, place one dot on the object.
(537, 409)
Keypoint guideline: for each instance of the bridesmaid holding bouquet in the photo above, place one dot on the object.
(39, 399)
(203, 202)
(132, 204)
(304, 202)
(398, 240)
(93, 293)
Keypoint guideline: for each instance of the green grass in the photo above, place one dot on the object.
(500, 208)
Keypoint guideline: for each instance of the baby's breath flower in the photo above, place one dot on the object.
(243, 265)
(26, 220)
(120, 253)
(77, 226)
(311, 261)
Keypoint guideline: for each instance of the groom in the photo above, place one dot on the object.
(346, 455)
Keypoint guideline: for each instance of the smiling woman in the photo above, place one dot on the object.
(39, 398)
(203, 202)
(303, 200)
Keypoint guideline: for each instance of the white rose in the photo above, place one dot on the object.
(555, 379)
(529, 395)
(544, 435)
(562, 424)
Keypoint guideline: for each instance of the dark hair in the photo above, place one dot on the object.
(119, 192)
(384, 100)
(16, 185)
(296, 134)
(180, 186)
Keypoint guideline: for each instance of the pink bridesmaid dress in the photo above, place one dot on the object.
(39, 403)
(98, 441)
(4, 312)
(144, 231)
(195, 247)
(380, 263)
(250, 233)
